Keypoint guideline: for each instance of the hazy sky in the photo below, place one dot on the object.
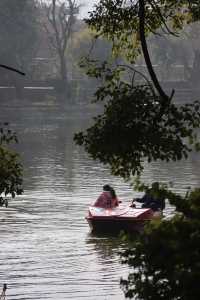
(87, 6)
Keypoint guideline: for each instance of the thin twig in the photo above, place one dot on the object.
(140, 73)
(12, 69)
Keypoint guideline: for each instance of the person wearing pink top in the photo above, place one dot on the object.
(108, 198)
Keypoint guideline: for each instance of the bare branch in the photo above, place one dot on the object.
(61, 17)
(139, 73)
(12, 69)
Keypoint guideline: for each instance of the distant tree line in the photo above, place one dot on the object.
(46, 40)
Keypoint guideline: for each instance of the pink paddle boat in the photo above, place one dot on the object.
(122, 217)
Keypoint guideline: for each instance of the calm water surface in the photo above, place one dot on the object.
(47, 251)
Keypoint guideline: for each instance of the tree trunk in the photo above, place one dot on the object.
(145, 51)
(64, 84)
(63, 68)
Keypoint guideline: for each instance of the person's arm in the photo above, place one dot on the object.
(115, 202)
(140, 200)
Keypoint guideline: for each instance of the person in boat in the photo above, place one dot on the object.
(150, 201)
(108, 198)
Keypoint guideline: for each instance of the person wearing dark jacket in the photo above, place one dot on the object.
(150, 201)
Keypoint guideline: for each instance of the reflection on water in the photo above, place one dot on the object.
(47, 251)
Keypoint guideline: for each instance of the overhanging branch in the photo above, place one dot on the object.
(12, 69)
(151, 71)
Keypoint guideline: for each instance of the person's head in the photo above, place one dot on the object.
(107, 188)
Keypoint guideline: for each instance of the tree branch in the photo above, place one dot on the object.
(12, 69)
(139, 73)
(157, 9)
(151, 71)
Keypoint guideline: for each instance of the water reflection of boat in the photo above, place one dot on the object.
(125, 218)
(106, 244)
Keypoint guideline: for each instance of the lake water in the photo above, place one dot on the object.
(46, 250)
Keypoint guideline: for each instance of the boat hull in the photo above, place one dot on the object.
(118, 219)
(110, 225)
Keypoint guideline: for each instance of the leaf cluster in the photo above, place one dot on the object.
(165, 259)
(137, 125)
(10, 167)
(118, 21)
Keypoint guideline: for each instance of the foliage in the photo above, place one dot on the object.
(18, 33)
(141, 122)
(10, 168)
(168, 50)
(165, 259)
(136, 126)
(17, 30)
(137, 123)
(118, 20)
